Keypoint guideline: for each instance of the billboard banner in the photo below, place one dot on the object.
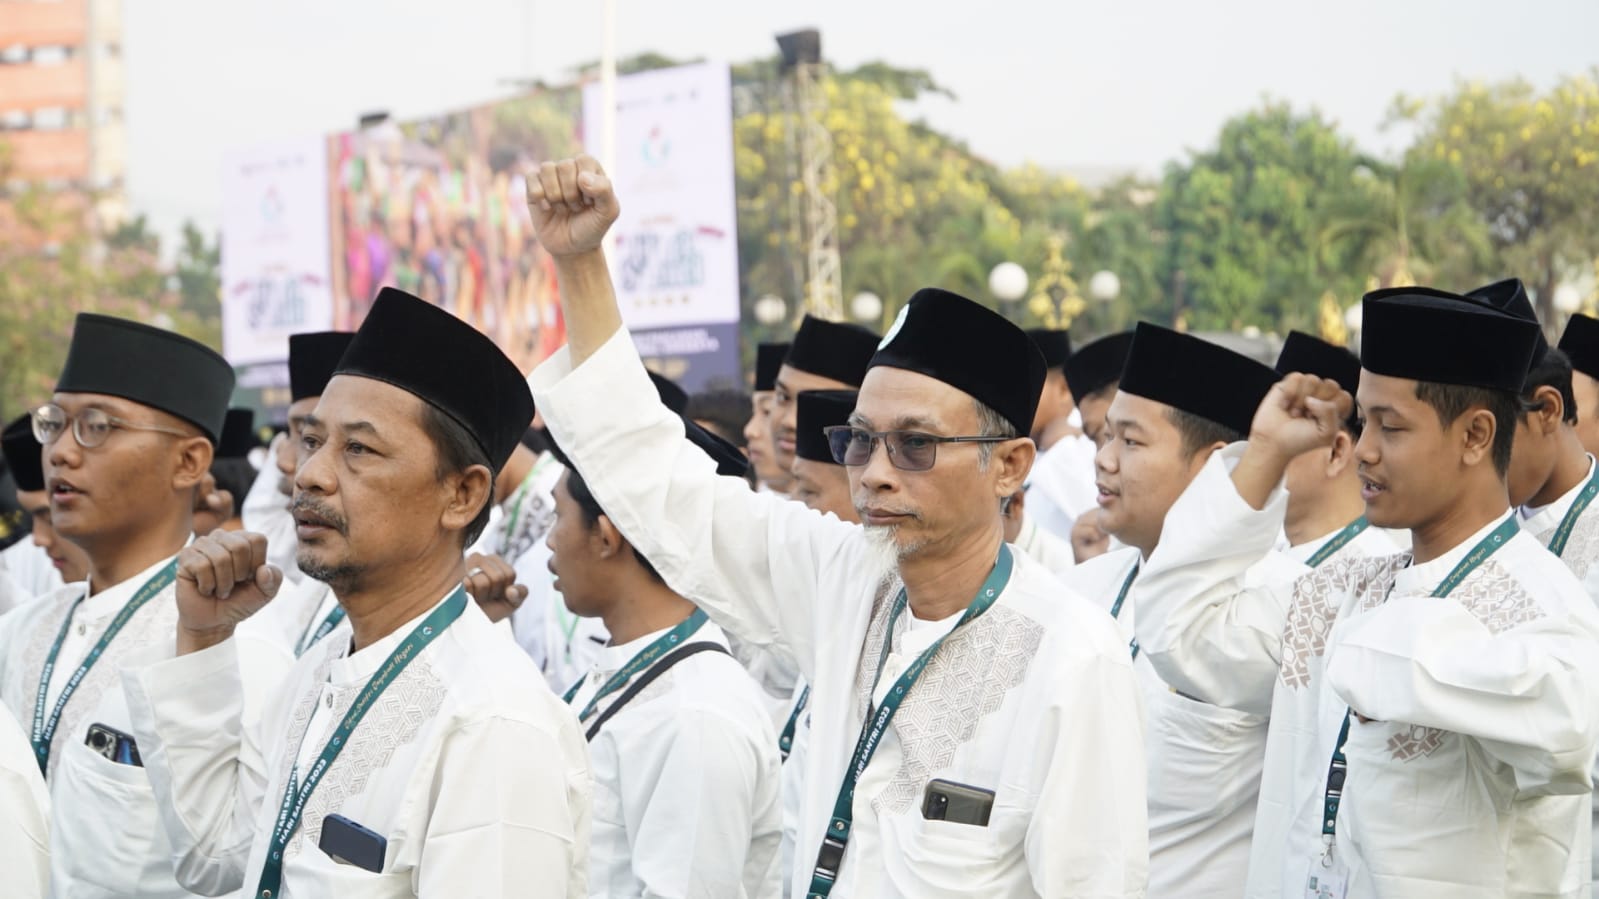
(675, 254)
(275, 279)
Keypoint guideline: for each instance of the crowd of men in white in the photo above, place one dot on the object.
(974, 615)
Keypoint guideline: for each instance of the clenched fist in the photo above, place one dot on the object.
(222, 580)
(572, 205)
(492, 582)
(1301, 413)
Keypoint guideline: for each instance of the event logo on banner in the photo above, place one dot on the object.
(675, 256)
(275, 279)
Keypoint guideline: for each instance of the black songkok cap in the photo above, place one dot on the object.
(768, 359)
(1510, 296)
(1581, 344)
(1056, 344)
(425, 351)
(23, 454)
(672, 396)
(313, 357)
(1313, 356)
(1423, 334)
(973, 349)
(729, 461)
(150, 366)
(841, 352)
(818, 409)
(238, 435)
(1196, 376)
(1097, 365)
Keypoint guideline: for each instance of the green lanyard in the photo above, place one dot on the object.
(308, 639)
(44, 727)
(1342, 539)
(295, 794)
(831, 855)
(1557, 543)
(1116, 607)
(645, 658)
(1338, 767)
(785, 742)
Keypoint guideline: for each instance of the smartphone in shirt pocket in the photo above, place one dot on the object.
(945, 800)
(345, 841)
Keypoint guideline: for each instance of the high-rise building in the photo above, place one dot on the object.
(61, 102)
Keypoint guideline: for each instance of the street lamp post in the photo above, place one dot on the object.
(867, 308)
(770, 310)
(1008, 283)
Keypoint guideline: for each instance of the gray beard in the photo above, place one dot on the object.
(342, 579)
(884, 554)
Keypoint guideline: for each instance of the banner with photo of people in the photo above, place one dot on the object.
(437, 207)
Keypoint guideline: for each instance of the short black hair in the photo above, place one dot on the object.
(1451, 401)
(458, 450)
(235, 475)
(726, 411)
(1553, 370)
(590, 507)
(1198, 432)
(1100, 392)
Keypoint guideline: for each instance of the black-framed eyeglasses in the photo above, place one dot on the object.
(91, 427)
(907, 450)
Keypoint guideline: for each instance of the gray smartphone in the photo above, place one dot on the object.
(346, 841)
(956, 803)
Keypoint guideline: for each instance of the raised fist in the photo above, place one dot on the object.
(223, 579)
(572, 205)
(1301, 413)
(492, 582)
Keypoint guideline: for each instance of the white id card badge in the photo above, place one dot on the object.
(1326, 881)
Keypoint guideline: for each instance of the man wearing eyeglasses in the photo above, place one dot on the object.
(127, 440)
(976, 725)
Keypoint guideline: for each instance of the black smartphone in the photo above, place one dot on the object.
(346, 841)
(956, 803)
(114, 745)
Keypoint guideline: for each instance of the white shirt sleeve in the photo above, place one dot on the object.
(1206, 634)
(753, 562)
(1097, 762)
(1526, 693)
(24, 815)
(205, 766)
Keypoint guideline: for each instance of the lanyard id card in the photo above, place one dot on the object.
(1328, 879)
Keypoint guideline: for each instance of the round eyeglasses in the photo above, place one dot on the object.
(91, 427)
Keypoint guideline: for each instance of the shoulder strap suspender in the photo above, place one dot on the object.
(648, 675)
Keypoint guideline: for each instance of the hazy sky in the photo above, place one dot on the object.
(1067, 83)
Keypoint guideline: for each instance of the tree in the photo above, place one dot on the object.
(1406, 224)
(1244, 222)
(52, 266)
(199, 273)
(1531, 166)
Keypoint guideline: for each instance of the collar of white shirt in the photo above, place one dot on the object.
(1421, 579)
(360, 666)
(108, 601)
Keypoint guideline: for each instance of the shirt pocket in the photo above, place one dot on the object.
(941, 858)
(107, 830)
(1204, 760)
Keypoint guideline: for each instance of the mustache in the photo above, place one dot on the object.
(303, 503)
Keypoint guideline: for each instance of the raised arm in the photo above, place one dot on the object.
(187, 713)
(753, 562)
(1206, 633)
